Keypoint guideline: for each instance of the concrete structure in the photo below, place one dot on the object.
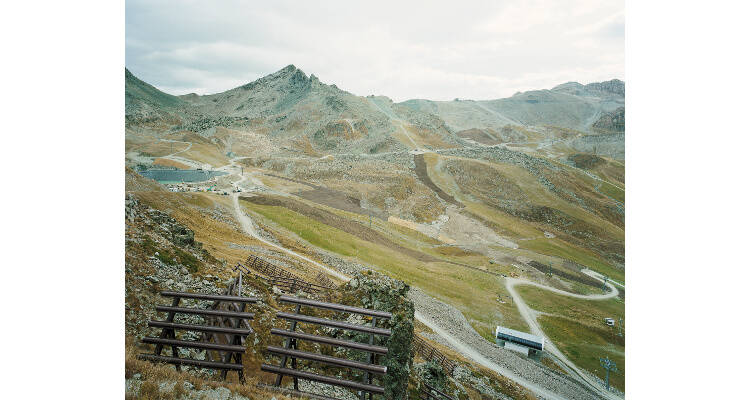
(506, 335)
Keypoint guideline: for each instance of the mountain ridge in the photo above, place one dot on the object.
(293, 105)
(613, 85)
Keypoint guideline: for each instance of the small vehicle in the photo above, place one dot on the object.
(609, 321)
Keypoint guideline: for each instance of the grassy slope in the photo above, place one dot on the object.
(517, 228)
(584, 346)
(613, 192)
(206, 153)
(562, 249)
(190, 209)
(577, 328)
(472, 292)
(138, 90)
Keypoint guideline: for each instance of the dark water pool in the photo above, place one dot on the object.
(177, 176)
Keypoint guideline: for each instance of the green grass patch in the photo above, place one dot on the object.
(472, 292)
(584, 344)
(590, 312)
(613, 192)
(149, 246)
(172, 256)
(577, 328)
(558, 248)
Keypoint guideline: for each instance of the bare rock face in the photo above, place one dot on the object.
(611, 122)
(615, 87)
(177, 233)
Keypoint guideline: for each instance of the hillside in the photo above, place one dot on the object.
(475, 205)
(299, 109)
(145, 102)
(570, 105)
(292, 106)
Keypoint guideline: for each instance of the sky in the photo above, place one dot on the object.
(404, 50)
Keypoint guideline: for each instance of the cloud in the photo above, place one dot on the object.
(468, 49)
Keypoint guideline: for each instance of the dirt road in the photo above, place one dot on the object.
(465, 349)
(468, 351)
(530, 315)
(475, 355)
(247, 225)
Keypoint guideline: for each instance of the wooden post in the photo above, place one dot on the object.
(288, 344)
(167, 332)
(371, 359)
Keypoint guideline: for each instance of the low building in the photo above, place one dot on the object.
(506, 335)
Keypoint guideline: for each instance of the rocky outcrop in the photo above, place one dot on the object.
(611, 122)
(169, 227)
(376, 291)
(614, 87)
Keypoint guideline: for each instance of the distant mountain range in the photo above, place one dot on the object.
(290, 104)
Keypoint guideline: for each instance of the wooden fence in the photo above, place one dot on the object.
(283, 279)
(224, 332)
(430, 353)
(290, 348)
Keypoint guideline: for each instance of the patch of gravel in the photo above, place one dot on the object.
(504, 155)
(326, 390)
(223, 215)
(463, 376)
(133, 387)
(452, 321)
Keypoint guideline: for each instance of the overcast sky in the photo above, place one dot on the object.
(404, 50)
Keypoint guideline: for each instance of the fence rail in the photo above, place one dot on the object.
(224, 331)
(290, 348)
(430, 393)
(283, 279)
(430, 353)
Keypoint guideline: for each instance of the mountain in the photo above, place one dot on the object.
(291, 105)
(450, 197)
(570, 105)
(611, 122)
(614, 88)
(300, 110)
(145, 102)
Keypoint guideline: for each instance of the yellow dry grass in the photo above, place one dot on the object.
(190, 210)
(166, 162)
(427, 138)
(152, 374)
(470, 291)
(207, 154)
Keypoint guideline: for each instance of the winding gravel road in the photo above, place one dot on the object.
(247, 225)
(543, 382)
(530, 317)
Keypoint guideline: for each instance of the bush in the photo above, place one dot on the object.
(166, 257)
(188, 260)
(432, 373)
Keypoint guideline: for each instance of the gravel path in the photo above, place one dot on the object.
(530, 317)
(453, 330)
(247, 225)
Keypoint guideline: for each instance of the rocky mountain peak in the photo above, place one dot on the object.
(614, 86)
(568, 86)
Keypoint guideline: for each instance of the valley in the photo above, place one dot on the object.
(500, 212)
